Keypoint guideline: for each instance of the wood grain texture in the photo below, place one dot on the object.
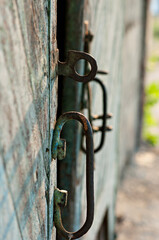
(26, 87)
(71, 101)
(117, 28)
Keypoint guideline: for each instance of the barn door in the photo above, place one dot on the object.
(116, 27)
(28, 101)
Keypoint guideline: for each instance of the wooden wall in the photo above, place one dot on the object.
(28, 99)
(118, 28)
(118, 34)
(28, 105)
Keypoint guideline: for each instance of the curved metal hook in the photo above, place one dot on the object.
(61, 195)
(104, 117)
(68, 68)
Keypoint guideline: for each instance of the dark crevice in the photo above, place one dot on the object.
(103, 231)
(61, 39)
(61, 33)
(47, 195)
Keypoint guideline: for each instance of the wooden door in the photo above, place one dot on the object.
(117, 45)
(28, 102)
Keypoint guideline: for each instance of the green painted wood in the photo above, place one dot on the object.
(28, 98)
(117, 46)
(70, 101)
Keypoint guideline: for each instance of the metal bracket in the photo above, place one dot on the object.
(67, 68)
(87, 42)
(104, 128)
(61, 150)
(87, 104)
(60, 196)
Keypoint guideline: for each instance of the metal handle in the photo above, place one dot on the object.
(104, 117)
(68, 68)
(103, 128)
(60, 196)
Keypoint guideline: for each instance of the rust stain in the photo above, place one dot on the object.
(85, 122)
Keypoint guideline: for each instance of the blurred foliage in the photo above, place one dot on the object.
(156, 29)
(154, 58)
(152, 62)
(151, 138)
(152, 94)
(152, 90)
(151, 98)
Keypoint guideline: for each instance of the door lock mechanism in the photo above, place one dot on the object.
(87, 104)
(67, 68)
(60, 196)
(104, 117)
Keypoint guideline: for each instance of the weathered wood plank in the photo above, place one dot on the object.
(53, 111)
(71, 93)
(117, 28)
(116, 46)
(107, 25)
(25, 117)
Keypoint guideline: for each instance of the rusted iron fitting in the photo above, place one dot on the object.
(104, 128)
(60, 196)
(68, 68)
(102, 72)
(97, 117)
(100, 129)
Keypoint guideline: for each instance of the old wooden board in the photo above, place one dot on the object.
(117, 28)
(28, 112)
(117, 47)
(70, 101)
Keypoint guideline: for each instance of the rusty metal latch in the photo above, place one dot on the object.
(104, 128)
(68, 68)
(87, 103)
(60, 196)
(103, 117)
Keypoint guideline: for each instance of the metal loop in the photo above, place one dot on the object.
(68, 68)
(104, 117)
(60, 196)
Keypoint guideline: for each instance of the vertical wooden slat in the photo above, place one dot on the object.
(71, 101)
(117, 28)
(25, 128)
(53, 110)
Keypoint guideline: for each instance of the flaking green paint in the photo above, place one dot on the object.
(71, 101)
